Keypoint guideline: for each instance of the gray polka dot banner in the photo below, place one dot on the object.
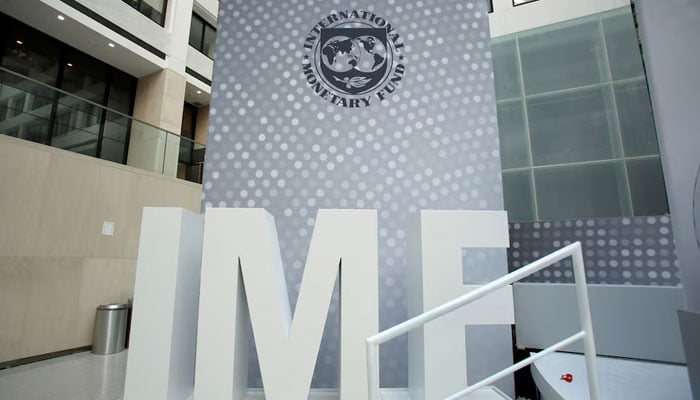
(275, 141)
(624, 251)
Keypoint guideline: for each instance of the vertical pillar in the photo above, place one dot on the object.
(154, 146)
(202, 125)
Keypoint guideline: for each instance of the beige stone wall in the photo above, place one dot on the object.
(55, 266)
(159, 99)
(202, 125)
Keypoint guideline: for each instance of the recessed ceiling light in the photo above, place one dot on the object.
(70, 64)
(19, 42)
(61, 17)
(199, 92)
(110, 44)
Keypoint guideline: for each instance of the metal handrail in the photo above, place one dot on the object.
(586, 334)
(105, 108)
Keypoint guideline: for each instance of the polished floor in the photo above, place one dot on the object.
(85, 376)
(81, 376)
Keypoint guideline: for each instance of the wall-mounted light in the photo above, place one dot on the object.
(110, 44)
(61, 17)
(69, 65)
(199, 92)
(19, 42)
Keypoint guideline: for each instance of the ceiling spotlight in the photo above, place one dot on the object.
(61, 17)
(110, 44)
(199, 92)
(19, 42)
(70, 65)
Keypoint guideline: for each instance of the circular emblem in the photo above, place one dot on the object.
(353, 58)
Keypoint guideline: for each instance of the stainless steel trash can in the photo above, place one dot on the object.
(110, 328)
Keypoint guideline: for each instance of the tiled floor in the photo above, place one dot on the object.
(82, 376)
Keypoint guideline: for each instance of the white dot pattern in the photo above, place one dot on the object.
(274, 143)
(623, 251)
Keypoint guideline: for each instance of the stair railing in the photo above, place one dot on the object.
(586, 334)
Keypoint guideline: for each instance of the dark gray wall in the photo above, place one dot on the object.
(274, 143)
(621, 250)
(670, 31)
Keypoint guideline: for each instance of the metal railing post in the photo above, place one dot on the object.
(584, 312)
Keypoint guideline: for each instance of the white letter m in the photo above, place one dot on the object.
(242, 276)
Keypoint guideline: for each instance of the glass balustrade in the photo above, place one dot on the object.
(43, 114)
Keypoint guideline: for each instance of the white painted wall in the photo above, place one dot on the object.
(200, 63)
(507, 19)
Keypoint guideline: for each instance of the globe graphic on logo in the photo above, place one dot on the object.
(365, 54)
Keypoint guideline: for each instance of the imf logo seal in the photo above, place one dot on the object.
(353, 59)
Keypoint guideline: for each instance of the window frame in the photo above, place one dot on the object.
(62, 60)
(205, 24)
(137, 7)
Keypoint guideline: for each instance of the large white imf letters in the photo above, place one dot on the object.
(241, 260)
(242, 277)
(164, 324)
(437, 362)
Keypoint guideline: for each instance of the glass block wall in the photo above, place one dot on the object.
(577, 132)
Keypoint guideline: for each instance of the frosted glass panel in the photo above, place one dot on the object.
(513, 135)
(636, 119)
(647, 187)
(505, 68)
(570, 55)
(581, 123)
(573, 126)
(592, 190)
(623, 45)
(517, 191)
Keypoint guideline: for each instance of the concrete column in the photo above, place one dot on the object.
(202, 125)
(159, 102)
